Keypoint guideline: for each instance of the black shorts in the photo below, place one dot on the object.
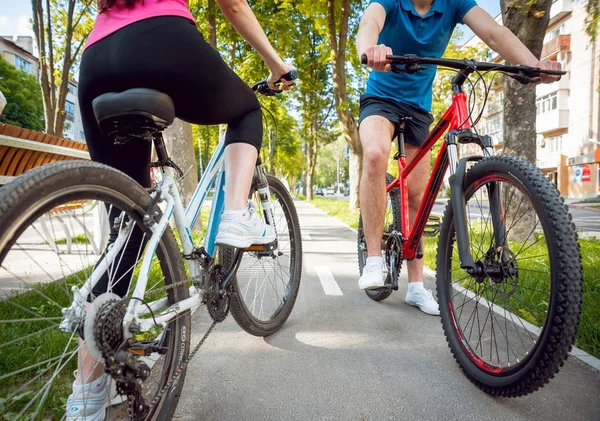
(415, 131)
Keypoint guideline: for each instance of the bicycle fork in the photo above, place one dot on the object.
(458, 170)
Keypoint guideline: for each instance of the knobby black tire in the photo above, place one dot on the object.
(240, 312)
(557, 336)
(67, 180)
(383, 293)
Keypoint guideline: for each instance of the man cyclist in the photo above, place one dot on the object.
(424, 28)
(155, 44)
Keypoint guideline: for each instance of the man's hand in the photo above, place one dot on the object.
(549, 65)
(376, 57)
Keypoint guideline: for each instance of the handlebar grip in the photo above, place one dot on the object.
(364, 59)
(553, 72)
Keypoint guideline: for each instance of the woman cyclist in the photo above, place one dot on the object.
(155, 44)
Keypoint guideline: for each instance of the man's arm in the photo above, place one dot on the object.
(370, 26)
(500, 39)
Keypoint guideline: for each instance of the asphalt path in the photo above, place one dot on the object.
(345, 357)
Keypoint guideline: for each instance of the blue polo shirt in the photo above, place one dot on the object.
(407, 32)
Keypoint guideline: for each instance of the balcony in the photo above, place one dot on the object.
(552, 120)
(544, 89)
(559, 9)
(556, 45)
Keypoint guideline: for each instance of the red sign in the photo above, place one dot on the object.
(586, 173)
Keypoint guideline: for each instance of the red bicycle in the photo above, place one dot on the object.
(509, 274)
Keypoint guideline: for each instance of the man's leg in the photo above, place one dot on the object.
(417, 183)
(376, 137)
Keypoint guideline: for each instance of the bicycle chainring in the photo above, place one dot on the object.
(217, 305)
(393, 258)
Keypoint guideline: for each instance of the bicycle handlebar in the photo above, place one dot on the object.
(411, 62)
(263, 88)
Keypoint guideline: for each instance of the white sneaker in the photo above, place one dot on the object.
(89, 402)
(241, 229)
(373, 275)
(423, 298)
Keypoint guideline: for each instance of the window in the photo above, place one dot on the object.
(554, 144)
(494, 127)
(547, 103)
(555, 32)
(72, 89)
(495, 103)
(22, 64)
(70, 110)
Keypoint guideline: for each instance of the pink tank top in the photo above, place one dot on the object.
(119, 16)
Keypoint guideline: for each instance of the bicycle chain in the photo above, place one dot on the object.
(133, 397)
(186, 361)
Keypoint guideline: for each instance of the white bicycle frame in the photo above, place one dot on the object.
(184, 220)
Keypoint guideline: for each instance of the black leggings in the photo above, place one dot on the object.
(167, 54)
(170, 55)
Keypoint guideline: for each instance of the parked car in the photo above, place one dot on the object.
(346, 191)
(319, 191)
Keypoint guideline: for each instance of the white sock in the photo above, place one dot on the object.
(375, 259)
(239, 212)
(414, 287)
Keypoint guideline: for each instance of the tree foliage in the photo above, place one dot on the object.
(24, 106)
(592, 20)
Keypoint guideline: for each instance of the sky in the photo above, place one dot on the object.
(15, 16)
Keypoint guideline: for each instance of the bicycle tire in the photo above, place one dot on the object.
(559, 330)
(396, 225)
(239, 308)
(39, 190)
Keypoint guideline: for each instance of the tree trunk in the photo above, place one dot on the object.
(309, 181)
(354, 170)
(47, 35)
(179, 142)
(528, 22)
(337, 44)
(212, 24)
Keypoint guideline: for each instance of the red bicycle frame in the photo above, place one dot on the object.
(455, 117)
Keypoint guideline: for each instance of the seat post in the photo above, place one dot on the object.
(161, 149)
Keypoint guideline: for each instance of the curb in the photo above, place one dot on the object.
(580, 206)
(575, 352)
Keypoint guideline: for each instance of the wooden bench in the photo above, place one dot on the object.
(23, 149)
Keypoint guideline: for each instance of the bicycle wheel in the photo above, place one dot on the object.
(55, 224)
(266, 283)
(511, 328)
(393, 222)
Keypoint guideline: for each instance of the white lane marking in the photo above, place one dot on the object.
(306, 236)
(328, 281)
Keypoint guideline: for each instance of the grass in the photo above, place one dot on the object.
(532, 310)
(595, 199)
(39, 302)
(77, 239)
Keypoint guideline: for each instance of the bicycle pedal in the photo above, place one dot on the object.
(432, 227)
(262, 247)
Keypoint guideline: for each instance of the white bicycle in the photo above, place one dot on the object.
(55, 251)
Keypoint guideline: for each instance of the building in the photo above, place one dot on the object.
(568, 111)
(73, 125)
(18, 51)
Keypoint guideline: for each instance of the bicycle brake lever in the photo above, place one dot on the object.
(523, 79)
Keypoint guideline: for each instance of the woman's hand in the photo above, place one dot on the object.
(276, 75)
